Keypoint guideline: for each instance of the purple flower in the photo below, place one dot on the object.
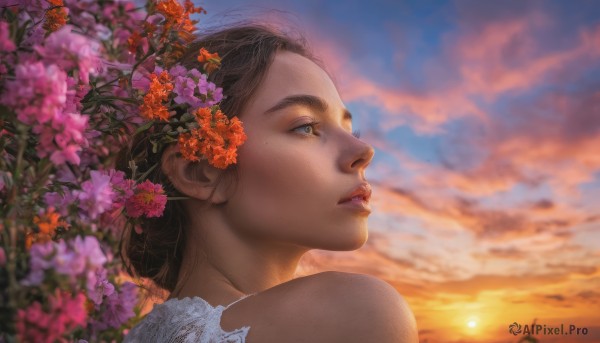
(67, 261)
(123, 187)
(185, 87)
(39, 261)
(89, 248)
(96, 195)
(73, 258)
(62, 202)
(210, 92)
(119, 307)
(178, 70)
(99, 286)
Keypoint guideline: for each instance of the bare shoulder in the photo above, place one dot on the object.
(325, 307)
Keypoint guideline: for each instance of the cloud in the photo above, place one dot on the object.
(485, 282)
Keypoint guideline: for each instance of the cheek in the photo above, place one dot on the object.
(280, 189)
(289, 192)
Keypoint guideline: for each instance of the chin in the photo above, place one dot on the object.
(350, 240)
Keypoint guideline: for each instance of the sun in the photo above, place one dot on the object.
(472, 324)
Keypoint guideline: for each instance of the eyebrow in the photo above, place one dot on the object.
(313, 102)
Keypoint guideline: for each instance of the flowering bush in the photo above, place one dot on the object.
(79, 79)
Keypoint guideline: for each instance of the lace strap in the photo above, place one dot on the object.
(244, 297)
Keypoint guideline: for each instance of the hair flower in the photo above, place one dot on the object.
(149, 199)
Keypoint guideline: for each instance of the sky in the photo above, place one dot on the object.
(485, 119)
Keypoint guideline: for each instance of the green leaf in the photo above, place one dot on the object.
(144, 127)
(143, 177)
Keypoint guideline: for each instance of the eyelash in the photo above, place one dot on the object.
(313, 123)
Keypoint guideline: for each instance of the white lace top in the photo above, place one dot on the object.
(187, 320)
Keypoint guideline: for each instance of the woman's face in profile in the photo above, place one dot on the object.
(293, 175)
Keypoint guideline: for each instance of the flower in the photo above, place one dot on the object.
(177, 17)
(6, 44)
(185, 88)
(71, 51)
(119, 306)
(96, 195)
(221, 135)
(210, 92)
(71, 258)
(217, 138)
(211, 61)
(47, 223)
(63, 138)
(148, 200)
(79, 79)
(122, 186)
(56, 16)
(101, 287)
(65, 314)
(160, 89)
(37, 93)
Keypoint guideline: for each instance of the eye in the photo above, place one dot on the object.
(312, 125)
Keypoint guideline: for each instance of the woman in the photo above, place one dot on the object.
(228, 254)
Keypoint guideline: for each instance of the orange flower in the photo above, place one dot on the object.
(191, 8)
(160, 89)
(177, 18)
(56, 16)
(171, 10)
(189, 26)
(211, 61)
(134, 41)
(48, 222)
(189, 145)
(217, 138)
(220, 137)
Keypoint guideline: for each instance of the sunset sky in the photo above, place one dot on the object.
(485, 119)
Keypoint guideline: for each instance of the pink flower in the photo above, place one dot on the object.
(71, 51)
(96, 195)
(63, 138)
(149, 199)
(66, 313)
(38, 92)
(6, 45)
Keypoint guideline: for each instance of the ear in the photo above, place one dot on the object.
(194, 179)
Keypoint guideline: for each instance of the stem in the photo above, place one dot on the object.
(107, 84)
(100, 98)
(11, 264)
(11, 219)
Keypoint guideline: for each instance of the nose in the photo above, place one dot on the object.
(357, 156)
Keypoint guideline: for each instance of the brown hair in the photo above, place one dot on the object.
(247, 50)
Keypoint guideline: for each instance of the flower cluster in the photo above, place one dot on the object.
(79, 80)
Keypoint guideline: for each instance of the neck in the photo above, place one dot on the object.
(232, 267)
